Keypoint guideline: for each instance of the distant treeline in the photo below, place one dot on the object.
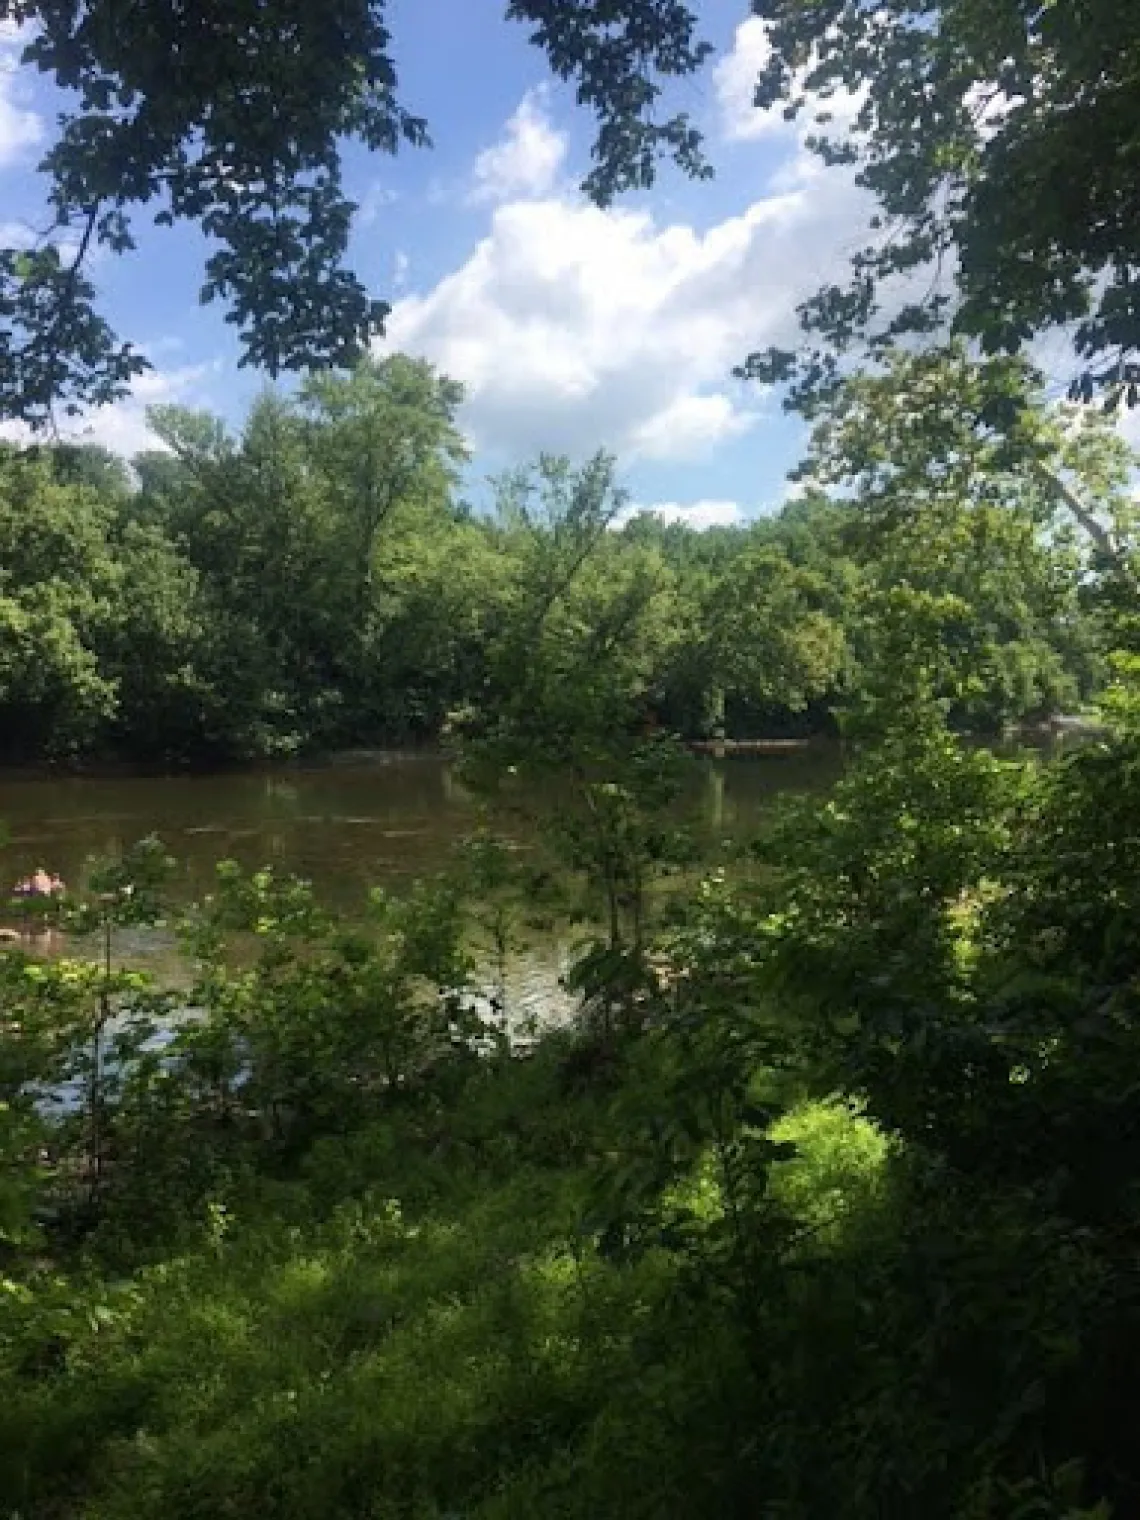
(318, 582)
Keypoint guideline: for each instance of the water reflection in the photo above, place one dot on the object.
(344, 828)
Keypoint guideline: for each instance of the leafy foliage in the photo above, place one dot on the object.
(235, 118)
(995, 140)
(313, 582)
(849, 1201)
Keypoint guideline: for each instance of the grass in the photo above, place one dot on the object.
(412, 1324)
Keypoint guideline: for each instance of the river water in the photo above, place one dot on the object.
(344, 827)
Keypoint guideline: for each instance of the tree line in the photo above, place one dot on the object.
(316, 581)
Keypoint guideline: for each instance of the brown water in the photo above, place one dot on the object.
(345, 828)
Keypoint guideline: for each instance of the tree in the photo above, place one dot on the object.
(934, 430)
(107, 636)
(254, 519)
(161, 646)
(232, 114)
(1000, 142)
(572, 658)
(584, 630)
(382, 435)
(89, 464)
(758, 634)
(325, 537)
(57, 586)
(960, 481)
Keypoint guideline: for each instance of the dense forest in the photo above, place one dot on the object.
(317, 583)
(825, 1203)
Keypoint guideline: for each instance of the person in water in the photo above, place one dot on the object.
(39, 884)
(41, 887)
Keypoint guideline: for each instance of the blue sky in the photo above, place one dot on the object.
(570, 327)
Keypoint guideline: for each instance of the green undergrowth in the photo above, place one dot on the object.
(826, 1206)
(413, 1322)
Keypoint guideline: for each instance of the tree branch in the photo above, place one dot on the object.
(1100, 535)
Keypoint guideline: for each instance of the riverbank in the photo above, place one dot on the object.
(111, 768)
(433, 751)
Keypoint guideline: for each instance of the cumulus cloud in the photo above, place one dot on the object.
(166, 343)
(574, 328)
(374, 200)
(15, 234)
(691, 426)
(734, 81)
(698, 515)
(525, 161)
(20, 128)
(122, 427)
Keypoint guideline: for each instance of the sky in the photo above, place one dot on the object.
(571, 328)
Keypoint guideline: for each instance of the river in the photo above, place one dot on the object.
(344, 827)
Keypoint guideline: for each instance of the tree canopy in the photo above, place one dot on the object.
(233, 114)
(313, 580)
(1000, 141)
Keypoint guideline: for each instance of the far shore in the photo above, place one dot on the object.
(110, 767)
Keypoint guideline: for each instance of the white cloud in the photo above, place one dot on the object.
(988, 106)
(1129, 426)
(797, 490)
(21, 234)
(20, 128)
(122, 426)
(698, 515)
(691, 426)
(166, 343)
(574, 328)
(735, 79)
(526, 160)
(17, 235)
(401, 264)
